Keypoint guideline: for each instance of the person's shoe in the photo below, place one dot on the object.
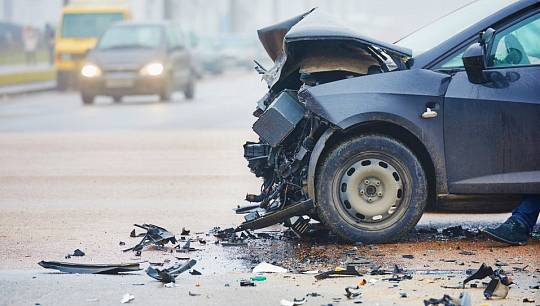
(512, 231)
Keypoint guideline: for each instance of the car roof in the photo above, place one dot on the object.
(427, 58)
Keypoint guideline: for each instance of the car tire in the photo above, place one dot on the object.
(62, 80)
(189, 91)
(370, 189)
(117, 99)
(166, 90)
(87, 98)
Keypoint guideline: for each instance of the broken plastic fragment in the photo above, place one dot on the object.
(293, 303)
(127, 298)
(168, 275)
(352, 292)
(482, 272)
(339, 271)
(90, 268)
(258, 278)
(154, 235)
(195, 272)
(446, 300)
(265, 267)
(246, 283)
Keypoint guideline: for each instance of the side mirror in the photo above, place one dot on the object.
(474, 58)
(474, 61)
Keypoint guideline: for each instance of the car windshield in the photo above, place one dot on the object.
(86, 25)
(137, 36)
(445, 27)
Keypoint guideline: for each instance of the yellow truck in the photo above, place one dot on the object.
(81, 25)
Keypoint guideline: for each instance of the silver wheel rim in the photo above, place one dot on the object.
(370, 190)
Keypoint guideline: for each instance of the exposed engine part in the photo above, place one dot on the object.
(280, 119)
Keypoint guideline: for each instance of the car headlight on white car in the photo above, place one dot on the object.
(152, 69)
(90, 71)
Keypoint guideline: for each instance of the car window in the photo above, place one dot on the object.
(173, 39)
(454, 61)
(517, 45)
(118, 37)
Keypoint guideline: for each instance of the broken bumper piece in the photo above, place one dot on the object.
(273, 217)
(90, 268)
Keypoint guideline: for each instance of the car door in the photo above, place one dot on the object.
(492, 130)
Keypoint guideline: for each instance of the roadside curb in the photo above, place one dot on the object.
(15, 90)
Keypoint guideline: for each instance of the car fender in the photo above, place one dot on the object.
(399, 98)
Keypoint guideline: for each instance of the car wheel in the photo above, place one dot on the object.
(62, 80)
(117, 99)
(371, 189)
(87, 98)
(189, 91)
(166, 90)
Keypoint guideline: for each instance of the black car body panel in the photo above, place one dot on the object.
(396, 98)
(293, 45)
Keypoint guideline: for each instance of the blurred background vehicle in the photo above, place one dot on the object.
(81, 24)
(136, 58)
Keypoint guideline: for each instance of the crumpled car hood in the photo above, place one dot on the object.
(314, 25)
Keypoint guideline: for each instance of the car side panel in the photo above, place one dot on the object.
(398, 97)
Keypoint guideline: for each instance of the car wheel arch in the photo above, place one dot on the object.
(333, 136)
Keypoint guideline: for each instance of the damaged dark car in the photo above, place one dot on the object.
(364, 136)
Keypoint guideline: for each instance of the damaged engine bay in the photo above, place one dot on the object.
(307, 50)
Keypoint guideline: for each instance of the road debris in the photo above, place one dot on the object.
(338, 271)
(294, 302)
(195, 272)
(185, 248)
(352, 292)
(126, 298)
(246, 283)
(446, 300)
(77, 252)
(185, 232)
(169, 275)
(193, 293)
(258, 278)
(154, 235)
(497, 287)
(265, 267)
(68, 267)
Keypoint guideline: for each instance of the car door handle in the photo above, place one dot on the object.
(429, 113)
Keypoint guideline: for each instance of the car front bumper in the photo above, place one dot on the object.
(122, 85)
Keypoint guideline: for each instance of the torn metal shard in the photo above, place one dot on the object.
(154, 235)
(168, 275)
(265, 267)
(90, 268)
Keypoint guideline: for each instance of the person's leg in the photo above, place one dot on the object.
(527, 212)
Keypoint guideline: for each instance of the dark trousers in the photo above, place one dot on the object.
(528, 210)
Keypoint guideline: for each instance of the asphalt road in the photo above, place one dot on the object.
(75, 176)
